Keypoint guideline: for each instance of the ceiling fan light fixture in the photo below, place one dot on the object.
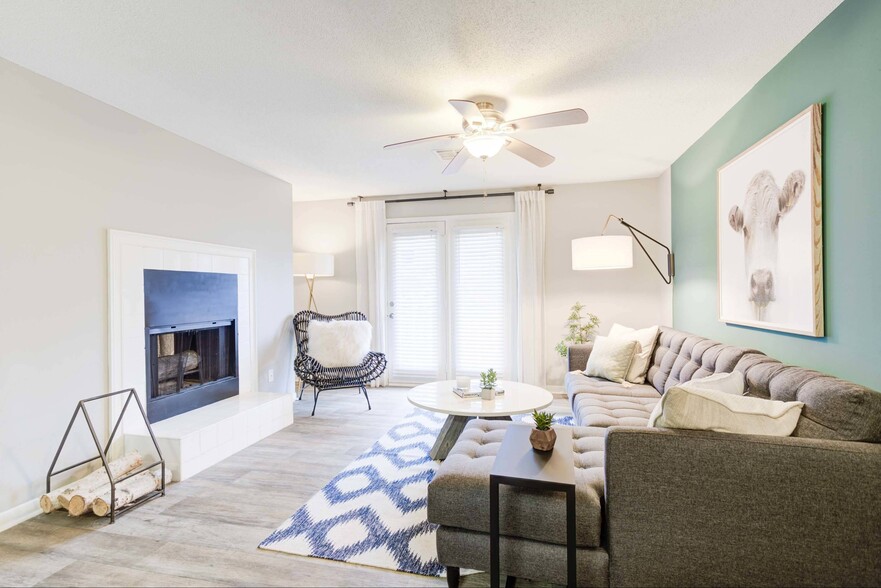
(486, 132)
(484, 146)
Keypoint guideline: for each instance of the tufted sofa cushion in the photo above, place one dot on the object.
(601, 403)
(593, 410)
(680, 357)
(459, 494)
(577, 383)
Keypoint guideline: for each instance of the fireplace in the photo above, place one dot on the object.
(191, 340)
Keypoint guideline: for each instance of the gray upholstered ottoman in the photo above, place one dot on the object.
(533, 543)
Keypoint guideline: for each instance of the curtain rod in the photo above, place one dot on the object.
(549, 192)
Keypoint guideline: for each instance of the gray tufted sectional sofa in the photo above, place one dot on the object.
(676, 507)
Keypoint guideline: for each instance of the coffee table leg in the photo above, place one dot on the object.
(448, 436)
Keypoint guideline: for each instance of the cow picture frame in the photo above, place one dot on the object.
(770, 231)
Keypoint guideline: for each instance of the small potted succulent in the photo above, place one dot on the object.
(488, 384)
(543, 436)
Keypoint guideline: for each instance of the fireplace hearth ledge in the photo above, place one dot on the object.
(198, 439)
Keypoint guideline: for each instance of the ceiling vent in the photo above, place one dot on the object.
(446, 154)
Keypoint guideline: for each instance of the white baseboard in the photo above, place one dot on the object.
(19, 514)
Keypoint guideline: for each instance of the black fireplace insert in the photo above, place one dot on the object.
(191, 350)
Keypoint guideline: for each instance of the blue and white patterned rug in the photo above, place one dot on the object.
(374, 511)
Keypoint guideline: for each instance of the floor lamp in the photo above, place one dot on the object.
(615, 251)
(311, 266)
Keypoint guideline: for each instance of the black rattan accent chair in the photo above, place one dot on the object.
(322, 378)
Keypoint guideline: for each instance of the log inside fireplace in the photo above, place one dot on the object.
(191, 355)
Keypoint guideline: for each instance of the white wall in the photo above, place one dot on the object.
(327, 226)
(71, 168)
(635, 297)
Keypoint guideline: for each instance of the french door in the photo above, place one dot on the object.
(451, 298)
(417, 302)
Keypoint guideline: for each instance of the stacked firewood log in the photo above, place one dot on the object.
(92, 493)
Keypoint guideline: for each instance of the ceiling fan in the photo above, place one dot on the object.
(486, 132)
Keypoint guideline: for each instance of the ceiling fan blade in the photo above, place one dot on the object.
(457, 162)
(575, 116)
(531, 154)
(422, 140)
(468, 110)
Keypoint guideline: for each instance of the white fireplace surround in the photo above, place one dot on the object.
(197, 439)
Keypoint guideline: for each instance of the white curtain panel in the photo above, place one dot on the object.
(370, 264)
(530, 210)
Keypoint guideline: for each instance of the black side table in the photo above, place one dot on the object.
(518, 464)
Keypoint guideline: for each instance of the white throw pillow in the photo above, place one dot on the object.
(727, 382)
(339, 343)
(610, 358)
(646, 339)
(691, 407)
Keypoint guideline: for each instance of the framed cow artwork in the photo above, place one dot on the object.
(770, 231)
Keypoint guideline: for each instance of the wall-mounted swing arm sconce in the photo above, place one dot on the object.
(616, 251)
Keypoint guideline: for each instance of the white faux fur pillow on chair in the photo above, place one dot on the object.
(339, 343)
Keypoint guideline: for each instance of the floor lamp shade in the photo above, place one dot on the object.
(603, 252)
(313, 264)
(310, 266)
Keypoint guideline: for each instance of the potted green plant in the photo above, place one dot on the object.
(543, 437)
(488, 381)
(580, 328)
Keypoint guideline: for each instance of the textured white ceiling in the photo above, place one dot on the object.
(310, 91)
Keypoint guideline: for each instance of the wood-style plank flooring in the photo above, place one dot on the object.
(205, 531)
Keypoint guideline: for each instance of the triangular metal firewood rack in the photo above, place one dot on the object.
(102, 452)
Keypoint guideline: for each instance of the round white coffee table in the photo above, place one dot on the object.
(439, 397)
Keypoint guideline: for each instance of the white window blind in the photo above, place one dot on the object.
(480, 314)
(415, 304)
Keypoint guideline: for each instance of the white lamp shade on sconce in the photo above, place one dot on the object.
(604, 252)
(313, 264)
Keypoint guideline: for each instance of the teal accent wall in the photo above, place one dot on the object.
(839, 66)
